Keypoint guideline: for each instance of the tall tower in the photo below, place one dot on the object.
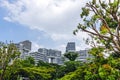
(70, 47)
(26, 44)
(24, 47)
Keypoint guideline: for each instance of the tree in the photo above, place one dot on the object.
(71, 55)
(28, 62)
(76, 75)
(42, 63)
(8, 53)
(102, 21)
(98, 69)
(33, 73)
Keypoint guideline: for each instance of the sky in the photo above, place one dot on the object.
(46, 23)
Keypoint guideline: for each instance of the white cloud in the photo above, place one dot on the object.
(78, 48)
(57, 37)
(62, 48)
(81, 35)
(54, 16)
(7, 19)
(36, 46)
(57, 18)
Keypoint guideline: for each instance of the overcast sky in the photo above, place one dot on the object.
(47, 23)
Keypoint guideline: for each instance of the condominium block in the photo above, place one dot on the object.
(70, 47)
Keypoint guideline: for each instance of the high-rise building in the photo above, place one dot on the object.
(70, 47)
(46, 55)
(26, 44)
(83, 55)
(54, 56)
(50, 55)
(24, 47)
(43, 50)
(38, 56)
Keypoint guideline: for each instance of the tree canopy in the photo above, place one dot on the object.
(102, 22)
(71, 55)
(8, 53)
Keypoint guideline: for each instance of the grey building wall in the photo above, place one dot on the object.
(38, 56)
(83, 55)
(46, 55)
(26, 44)
(70, 47)
(24, 47)
(52, 56)
(43, 50)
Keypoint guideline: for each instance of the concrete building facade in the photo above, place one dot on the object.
(54, 56)
(47, 55)
(24, 47)
(83, 55)
(37, 56)
(70, 47)
(50, 55)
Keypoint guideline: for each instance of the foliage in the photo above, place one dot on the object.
(72, 66)
(8, 53)
(26, 68)
(99, 69)
(35, 73)
(42, 63)
(29, 61)
(14, 67)
(71, 55)
(76, 75)
(101, 21)
(18, 70)
(69, 66)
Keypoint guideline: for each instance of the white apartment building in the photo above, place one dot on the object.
(54, 56)
(38, 56)
(70, 47)
(47, 55)
(24, 47)
(83, 55)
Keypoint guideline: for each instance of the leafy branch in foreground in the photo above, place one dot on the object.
(102, 21)
(8, 53)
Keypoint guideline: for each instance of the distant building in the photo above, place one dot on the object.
(43, 50)
(47, 55)
(26, 44)
(24, 47)
(38, 56)
(83, 55)
(70, 47)
(54, 56)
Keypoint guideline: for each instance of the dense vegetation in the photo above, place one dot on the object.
(14, 68)
(102, 22)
